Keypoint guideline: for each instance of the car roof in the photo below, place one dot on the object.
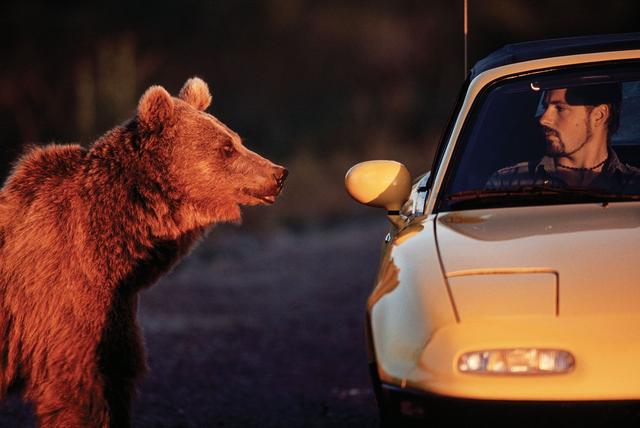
(518, 52)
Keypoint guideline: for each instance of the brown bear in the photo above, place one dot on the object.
(82, 231)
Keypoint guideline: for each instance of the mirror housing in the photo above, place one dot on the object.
(380, 183)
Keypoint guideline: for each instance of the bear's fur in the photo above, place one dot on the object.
(83, 230)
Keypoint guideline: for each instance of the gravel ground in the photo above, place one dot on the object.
(262, 332)
(258, 330)
(266, 331)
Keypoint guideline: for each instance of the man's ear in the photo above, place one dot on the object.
(196, 92)
(601, 114)
(155, 108)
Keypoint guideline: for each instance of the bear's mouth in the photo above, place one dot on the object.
(267, 199)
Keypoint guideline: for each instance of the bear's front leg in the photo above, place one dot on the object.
(119, 394)
(67, 404)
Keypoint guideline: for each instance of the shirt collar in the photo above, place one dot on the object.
(613, 164)
(546, 164)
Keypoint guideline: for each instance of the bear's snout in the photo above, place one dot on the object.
(280, 176)
(271, 185)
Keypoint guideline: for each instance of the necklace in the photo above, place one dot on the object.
(583, 169)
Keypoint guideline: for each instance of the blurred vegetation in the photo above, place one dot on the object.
(317, 86)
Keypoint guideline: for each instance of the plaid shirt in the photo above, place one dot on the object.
(615, 176)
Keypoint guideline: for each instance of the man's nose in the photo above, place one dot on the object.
(544, 120)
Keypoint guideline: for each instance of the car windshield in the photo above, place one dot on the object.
(550, 138)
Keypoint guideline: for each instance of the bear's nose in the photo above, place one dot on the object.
(280, 179)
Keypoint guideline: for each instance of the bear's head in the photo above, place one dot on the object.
(206, 161)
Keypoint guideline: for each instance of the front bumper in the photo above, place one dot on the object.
(414, 405)
(606, 350)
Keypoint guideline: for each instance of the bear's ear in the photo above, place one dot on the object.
(196, 92)
(155, 108)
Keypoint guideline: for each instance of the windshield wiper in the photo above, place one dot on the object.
(542, 193)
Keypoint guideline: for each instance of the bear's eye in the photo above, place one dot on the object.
(228, 150)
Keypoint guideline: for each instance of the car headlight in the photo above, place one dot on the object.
(517, 361)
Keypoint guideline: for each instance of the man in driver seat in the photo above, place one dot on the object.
(578, 123)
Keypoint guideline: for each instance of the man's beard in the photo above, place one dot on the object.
(556, 148)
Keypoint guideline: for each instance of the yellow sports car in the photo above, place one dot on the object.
(511, 271)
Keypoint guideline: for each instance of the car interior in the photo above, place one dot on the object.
(505, 131)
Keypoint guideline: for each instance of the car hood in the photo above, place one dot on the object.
(549, 260)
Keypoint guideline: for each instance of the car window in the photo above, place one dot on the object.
(549, 138)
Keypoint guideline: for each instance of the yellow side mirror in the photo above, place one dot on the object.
(379, 183)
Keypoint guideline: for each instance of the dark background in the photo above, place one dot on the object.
(317, 86)
(262, 324)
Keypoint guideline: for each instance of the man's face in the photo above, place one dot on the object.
(566, 127)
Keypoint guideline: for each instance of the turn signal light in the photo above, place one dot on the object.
(519, 361)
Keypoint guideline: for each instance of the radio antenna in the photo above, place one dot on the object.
(466, 32)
